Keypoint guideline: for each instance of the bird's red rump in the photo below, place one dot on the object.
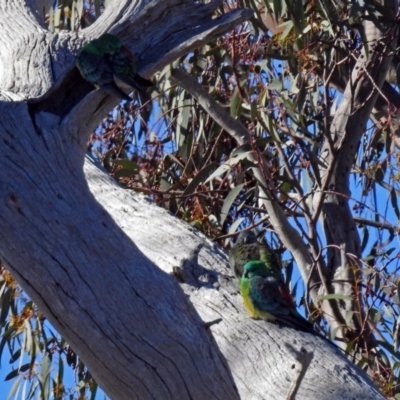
(287, 296)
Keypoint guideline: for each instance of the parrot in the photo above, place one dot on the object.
(248, 248)
(106, 62)
(267, 297)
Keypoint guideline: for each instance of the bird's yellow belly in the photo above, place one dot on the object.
(254, 313)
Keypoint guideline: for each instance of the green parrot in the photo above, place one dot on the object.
(106, 63)
(267, 297)
(247, 248)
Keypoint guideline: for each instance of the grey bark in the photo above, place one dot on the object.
(92, 255)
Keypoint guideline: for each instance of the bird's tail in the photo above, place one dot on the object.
(296, 322)
(143, 82)
(112, 88)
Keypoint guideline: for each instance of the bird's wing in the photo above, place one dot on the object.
(124, 69)
(267, 295)
(272, 296)
(92, 66)
(134, 81)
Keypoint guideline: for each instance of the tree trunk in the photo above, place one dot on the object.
(91, 255)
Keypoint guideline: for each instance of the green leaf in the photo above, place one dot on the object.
(236, 103)
(32, 390)
(336, 296)
(388, 311)
(267, 123)
(388, 347)
(288, 26)
(333, 332)
(202, 176)
(230, 198)
(365, 238)
(275, 84)
(235, 160)
(15, 388)
(235, 225)
(28, 336)
(60, 375)
(123, 173)
(249, 193)
(181, 123)
(185, 150)
(3, 288)
(11, 375)
(165, 185)
(35, 346)
(393, 199)
(253, 110)
(57, 19)
(376, 282)
(244, 148)
(14, 357)
(375, 315)
(127, 164)
(183, 120)
(44, 377)
(6, 336)
(288, 272)
(398, 290)
(79, 9)
(15, 372)
(5, 306)
(93, 390)
(218, 172)
(349, 316)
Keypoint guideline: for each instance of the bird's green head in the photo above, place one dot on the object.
(91, 48)
(107, 43)
(255, 268)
